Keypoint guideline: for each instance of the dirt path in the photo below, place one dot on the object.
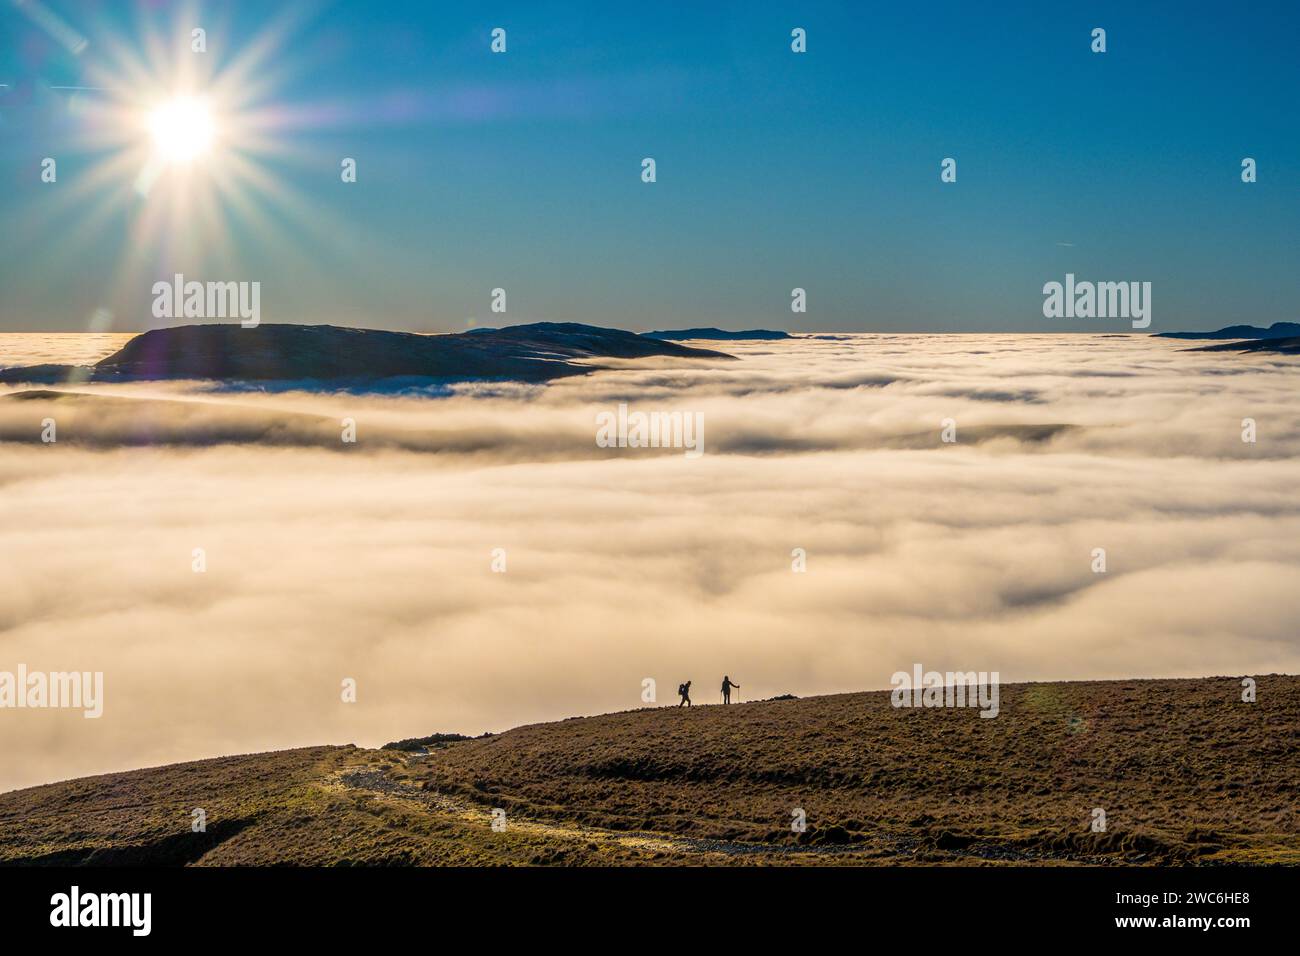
(882, 848)
(377, 782)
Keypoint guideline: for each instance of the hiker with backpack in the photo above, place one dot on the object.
(726, 689)
(685, 691)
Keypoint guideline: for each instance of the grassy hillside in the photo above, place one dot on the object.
(1185, 772)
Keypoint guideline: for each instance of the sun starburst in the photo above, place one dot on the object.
(190, 152)
(182, 128)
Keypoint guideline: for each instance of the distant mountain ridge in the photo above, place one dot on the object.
(536, 352)
(720, 335)
(1289, 346)
(1278, 330)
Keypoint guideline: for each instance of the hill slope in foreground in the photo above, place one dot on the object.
(1185, 771)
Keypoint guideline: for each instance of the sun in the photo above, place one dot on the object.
(182, 128)
(191, 151)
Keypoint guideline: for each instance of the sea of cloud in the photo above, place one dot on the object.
(373, 560)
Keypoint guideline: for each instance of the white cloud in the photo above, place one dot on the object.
(373, 561)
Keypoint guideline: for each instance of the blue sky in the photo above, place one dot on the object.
(775, 170)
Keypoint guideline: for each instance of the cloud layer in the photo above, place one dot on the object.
(373, 560)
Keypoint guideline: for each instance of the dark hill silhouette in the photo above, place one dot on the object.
(1278, 330)
(228, 352)
(1287, 346)
(720, 335)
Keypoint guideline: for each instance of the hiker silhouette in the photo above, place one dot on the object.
(726, 689)
(685, 691)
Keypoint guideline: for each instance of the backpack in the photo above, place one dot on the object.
(681, 689)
